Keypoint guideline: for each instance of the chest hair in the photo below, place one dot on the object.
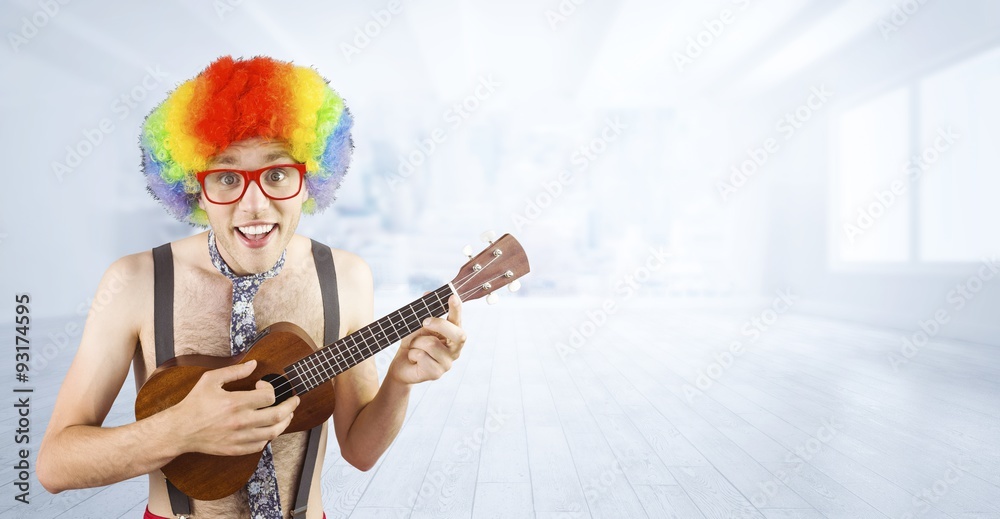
(202, 314)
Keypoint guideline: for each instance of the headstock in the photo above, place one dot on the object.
(498, 265)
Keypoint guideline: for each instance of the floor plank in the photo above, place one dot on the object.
(667, 502)
(809, 420)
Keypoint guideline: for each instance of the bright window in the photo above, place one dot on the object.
(872, 146)
(915, 170)
(960, 153)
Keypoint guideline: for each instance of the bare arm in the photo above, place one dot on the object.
(77, 452)
(367, 417)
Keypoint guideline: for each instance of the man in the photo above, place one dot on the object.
(244, 148)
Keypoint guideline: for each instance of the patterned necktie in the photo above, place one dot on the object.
(263, 485)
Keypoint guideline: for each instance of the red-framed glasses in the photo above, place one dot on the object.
(227, 186)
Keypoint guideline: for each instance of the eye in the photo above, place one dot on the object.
(276, 175)
(228, 178)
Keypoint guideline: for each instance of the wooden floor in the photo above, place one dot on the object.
(653, 416)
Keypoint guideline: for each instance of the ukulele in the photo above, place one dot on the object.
(289, 360)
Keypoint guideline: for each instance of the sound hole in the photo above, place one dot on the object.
(282, 388)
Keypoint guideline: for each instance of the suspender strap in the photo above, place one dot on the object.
(180, 503)
(327, 275)
(305, 480)
(163, 333)
(163, 302)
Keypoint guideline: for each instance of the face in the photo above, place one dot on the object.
(252, 232)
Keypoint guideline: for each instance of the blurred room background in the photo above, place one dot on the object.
(681, 155)
(747, 138)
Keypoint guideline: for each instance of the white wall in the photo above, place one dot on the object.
(654, 185)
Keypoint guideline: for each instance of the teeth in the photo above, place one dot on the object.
(256, 229)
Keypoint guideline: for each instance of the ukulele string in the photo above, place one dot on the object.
(462, 282)
(325, 364)
(475, 273)
(478, 287)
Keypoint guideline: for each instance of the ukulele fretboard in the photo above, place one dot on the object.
(346, 353)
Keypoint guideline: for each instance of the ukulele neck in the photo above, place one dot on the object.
(345, 353)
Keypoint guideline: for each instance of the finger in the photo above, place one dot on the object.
(261, 396)
(229, 374)
(426, 364)
(268, 416)
(455, 309)
(435, 350)
(252, 440)
(453, 336)
(424, 331)
(414, 355)
(281, 426)
(288, 406)
(273, 431)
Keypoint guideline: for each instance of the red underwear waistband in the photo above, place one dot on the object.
(151, 515)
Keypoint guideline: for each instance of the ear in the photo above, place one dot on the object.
(201, 200)
(304, 192)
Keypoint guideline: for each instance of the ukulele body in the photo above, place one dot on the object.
(208, 477)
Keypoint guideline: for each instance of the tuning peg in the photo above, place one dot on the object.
(467, 250)
(488, 236)
(492, 298)
(514, 286)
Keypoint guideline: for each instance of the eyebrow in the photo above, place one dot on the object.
(270, 157)
(275, 155)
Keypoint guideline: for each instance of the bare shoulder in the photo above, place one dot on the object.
(135, 266)
(355, 284)
(125, 285)
(351, 268)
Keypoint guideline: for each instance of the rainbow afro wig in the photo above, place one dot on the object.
(232, 100)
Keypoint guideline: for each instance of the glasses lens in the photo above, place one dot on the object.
(223, 186)
(281, 181)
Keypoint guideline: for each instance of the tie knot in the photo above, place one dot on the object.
(248, 283)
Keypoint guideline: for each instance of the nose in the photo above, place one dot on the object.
(254, 200)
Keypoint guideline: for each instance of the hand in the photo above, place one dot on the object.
(231, 423)
(427, 353)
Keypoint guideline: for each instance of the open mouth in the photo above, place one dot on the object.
(256, 235)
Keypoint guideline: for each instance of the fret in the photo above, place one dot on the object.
(299, 368)
(292, 374)
(353, 349)
(311, 367)
(366, 340)
(414, 312)
(302, 382)
(395, 334)
(345, 358)
(355, 345)
(390, 332)
(385, 336)
(320, 368)
(331, 360)
(320, 362)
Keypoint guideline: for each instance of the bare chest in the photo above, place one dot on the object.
(202, 316)
(203, 311)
